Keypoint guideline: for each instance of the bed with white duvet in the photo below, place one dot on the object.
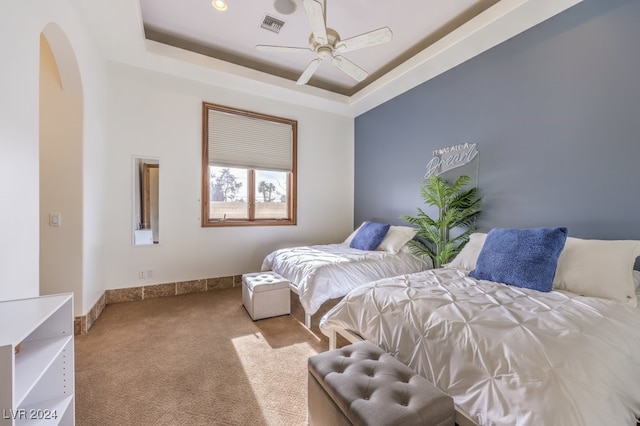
(510, 355)
(319, 273)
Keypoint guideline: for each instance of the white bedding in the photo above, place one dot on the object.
(508, 356)
(323, 272)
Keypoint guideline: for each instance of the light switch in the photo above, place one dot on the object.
(54, 219)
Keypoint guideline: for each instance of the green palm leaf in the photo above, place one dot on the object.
(458, 209)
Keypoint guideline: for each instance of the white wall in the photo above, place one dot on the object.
(21, 23)
(19, 44)
(155, 115)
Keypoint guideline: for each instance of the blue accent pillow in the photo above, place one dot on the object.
(521, 257)
(369, 236)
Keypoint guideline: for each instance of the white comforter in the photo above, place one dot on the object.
(508, 356)
(323, 272)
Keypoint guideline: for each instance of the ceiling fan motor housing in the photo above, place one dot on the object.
(325, 50)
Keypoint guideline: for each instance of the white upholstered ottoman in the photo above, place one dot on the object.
(265, 294)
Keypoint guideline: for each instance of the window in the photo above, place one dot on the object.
(248, 168)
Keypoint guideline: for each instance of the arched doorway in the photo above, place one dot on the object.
(60, 165)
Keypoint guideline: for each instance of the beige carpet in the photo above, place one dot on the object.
(195, 359)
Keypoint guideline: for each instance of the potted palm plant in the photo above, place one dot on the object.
(458, 208)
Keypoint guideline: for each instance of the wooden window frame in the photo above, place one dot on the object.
(251, 196)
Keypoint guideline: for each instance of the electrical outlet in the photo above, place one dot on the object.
(142, 274)
(149, 273)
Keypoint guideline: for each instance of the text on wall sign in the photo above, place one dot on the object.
(445, 159)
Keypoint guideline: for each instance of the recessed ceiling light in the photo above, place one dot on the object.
(285, 7)
(220, 5)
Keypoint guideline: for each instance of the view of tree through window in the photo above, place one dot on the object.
(248, 168)
(228, 193)
(271, 194)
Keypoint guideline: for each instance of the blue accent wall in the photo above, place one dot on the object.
(555, 113)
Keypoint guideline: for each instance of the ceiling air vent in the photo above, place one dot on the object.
(272, 24)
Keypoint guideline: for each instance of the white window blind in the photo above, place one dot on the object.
(240, 141)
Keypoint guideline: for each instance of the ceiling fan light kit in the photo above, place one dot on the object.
(326, 43)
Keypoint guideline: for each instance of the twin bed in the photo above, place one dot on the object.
(507, 354)
(319, 273)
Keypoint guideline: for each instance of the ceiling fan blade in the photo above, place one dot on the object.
(349, 68)
(316, 20)
(287, 49)
(372, 38)
(308, 72)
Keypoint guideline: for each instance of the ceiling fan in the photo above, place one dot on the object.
(326, 43)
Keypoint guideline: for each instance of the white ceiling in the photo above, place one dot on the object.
(191, 39)
(233, 34)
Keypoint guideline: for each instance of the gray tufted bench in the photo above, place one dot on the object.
(363, 385)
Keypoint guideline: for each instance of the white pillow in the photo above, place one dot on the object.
(353, 234)
(598, 268)
(468, 256)
(396, 238)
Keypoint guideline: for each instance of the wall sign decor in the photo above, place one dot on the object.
(445, 159)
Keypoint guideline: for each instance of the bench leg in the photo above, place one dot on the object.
(307, 320)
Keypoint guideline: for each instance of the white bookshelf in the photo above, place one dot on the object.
(37, 384)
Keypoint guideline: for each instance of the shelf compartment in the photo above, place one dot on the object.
(33, 315)
(40, 413)
(51, 358)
